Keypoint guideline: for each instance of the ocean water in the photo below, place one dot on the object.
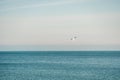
(60, 65)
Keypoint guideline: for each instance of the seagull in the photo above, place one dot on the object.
(74, 38)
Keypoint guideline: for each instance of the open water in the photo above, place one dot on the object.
(60, 65)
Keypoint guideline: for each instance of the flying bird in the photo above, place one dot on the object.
(74, 38)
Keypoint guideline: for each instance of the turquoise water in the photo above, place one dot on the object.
(60, 65)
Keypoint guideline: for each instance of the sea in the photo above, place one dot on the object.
(60, 65)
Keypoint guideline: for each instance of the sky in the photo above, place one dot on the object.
(50, 25)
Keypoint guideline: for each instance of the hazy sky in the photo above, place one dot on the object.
(50, 24)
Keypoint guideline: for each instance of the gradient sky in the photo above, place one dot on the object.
(49, 24)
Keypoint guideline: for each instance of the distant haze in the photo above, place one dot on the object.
(50, 24)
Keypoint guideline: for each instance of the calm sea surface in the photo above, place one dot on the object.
(60, 65)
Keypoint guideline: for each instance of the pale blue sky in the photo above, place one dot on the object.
(57, 7)
(49, 24)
